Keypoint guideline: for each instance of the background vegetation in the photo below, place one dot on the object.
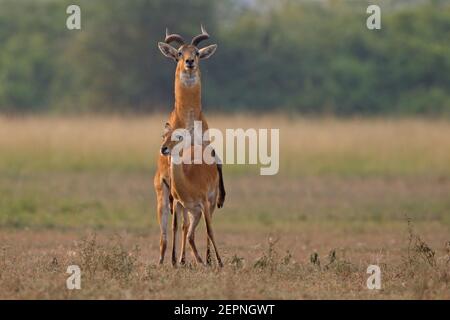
(307, 56)
(77, 188)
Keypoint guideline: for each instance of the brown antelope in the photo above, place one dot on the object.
(195, 188)
(187, 109)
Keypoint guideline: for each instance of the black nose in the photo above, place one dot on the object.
(164, 151)
(190, 62)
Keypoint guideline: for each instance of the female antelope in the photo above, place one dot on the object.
(195, 189)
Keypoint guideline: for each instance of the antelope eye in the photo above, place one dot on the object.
(197, 53)
(180, 53)
(180, 138)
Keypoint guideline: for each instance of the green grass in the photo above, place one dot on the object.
(97, 172)
(126, 200)
(308, 147)
(344, 186)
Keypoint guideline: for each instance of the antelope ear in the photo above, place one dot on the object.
(208, 51)
(168, 50)
(167, 128)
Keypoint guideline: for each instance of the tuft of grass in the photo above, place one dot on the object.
(418, 248)
(314, 259)
(268, 259)
(422, 266)
(89, 254)
(112, 259)
(119, 263)
(236, 262)
(335, 264)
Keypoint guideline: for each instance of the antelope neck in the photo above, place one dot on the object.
(188, 94)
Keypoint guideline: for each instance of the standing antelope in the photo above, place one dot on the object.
(187, 109)
(195, 188)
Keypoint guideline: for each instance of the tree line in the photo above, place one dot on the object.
(300, 56)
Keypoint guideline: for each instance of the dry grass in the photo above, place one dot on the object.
(308, 146)
(339, 204)
(33, 265)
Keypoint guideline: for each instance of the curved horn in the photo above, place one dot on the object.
(201, 37)
(173, 37)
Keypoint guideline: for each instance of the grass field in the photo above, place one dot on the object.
(79, 191)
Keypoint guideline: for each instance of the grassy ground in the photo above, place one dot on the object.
(79, 191)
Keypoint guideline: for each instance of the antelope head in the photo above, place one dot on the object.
(171, 138)
(168, 142)
(187, 56)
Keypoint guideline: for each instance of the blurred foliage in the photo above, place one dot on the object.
(307, 56)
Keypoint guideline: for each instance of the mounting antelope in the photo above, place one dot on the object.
(195, 188)
(187, 109)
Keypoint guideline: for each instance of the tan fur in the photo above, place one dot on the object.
(195, 188)
(188, 108)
